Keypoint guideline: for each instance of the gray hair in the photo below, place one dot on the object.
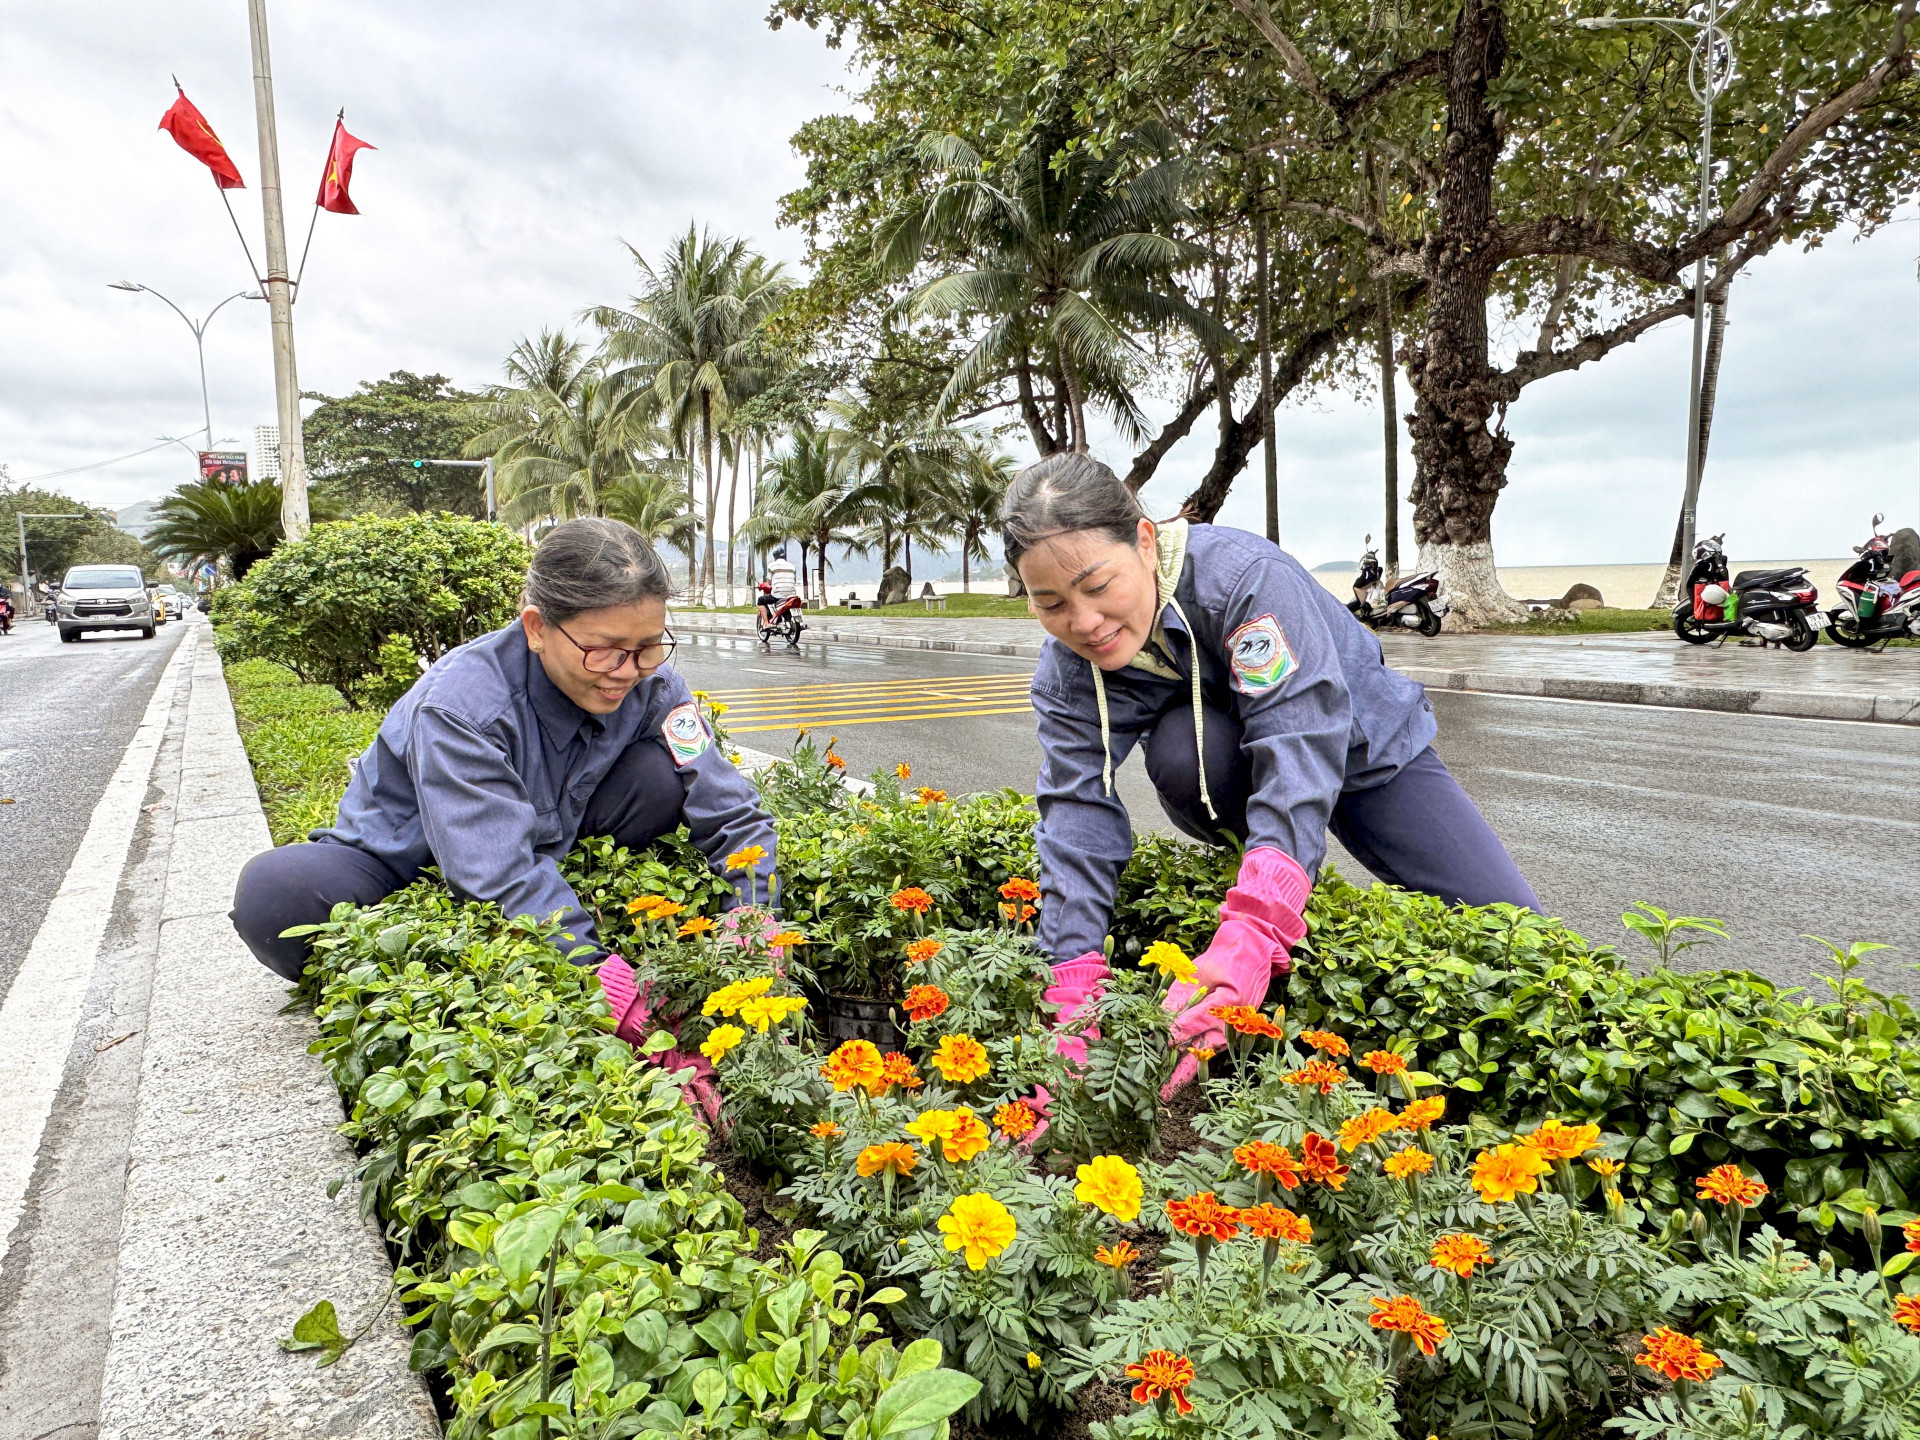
(1063, 494)
(591, 564)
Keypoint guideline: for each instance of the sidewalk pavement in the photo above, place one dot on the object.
(1642, 668)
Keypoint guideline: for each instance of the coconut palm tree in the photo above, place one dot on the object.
(903, 472)
(974, 512)
(240, 524)
(655, 504)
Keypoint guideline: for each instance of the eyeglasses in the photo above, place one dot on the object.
(605, 659)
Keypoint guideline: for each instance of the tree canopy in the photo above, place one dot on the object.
(362, 445)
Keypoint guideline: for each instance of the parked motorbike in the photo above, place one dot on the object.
(1412, 604)
(1770, 605)
(1882, 591)
(785, 619)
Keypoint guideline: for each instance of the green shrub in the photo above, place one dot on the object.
(326, 606)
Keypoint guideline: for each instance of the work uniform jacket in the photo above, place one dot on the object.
(1319, 710)
(485, 768)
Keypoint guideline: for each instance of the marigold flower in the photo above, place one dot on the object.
(979, 1225)
(1677, 1356)
(1270, 1222)
(835, 762)
(1607, 1169)
(1508, 1170)
(1263, 1157)
(912, 898)
(765, 1010)
(1403, 1164)
(1119, 1256)
(1406, 1315)
(923, 1002)
(905, 772)
(1906, 1311)
(1171, 961)
(728, 999)
(1109, 1183)
(650, 904)
(928, 796)
(1161, 1372)
(699, 925)
(1559, 1141)
(1202, 1053)
(1422, 1113)
(1366, 1128)
(856, 1063)
(1322, 1162)
(786, 937)
(1018, 914)
(897, 1069)
(1015, 1121)
(1248, 1021)
(1384, 1062)
(1458, 1254)
(1033, 1360)
(723, 1039)
(1204, 1217)
(1316, 1072)
(960, 1133)
(960, 1059)
(825, 1130)
(748, 858)
(1912, 1231)
(1328, 1041)
(894, 1157)
(1019, 888)
(1730, 1186)
(921, 951)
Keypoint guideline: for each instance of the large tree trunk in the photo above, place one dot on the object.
(1668, 592)
(1460, 447)
(1389, 421)
(733, 531)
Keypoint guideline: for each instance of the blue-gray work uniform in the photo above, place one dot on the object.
(486, 770)
(1305, 729)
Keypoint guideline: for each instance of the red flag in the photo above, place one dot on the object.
(192, 134)
(339, 173)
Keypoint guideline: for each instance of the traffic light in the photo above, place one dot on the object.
(419, 464)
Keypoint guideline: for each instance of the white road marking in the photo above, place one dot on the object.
(43, 1004)
(756, 670)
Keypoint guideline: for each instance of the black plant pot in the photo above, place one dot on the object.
(859, 1017)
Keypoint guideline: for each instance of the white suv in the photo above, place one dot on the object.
(104, 597)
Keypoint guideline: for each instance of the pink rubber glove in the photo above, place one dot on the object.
(1076, 985)
(629, 1002)
(1261, 921)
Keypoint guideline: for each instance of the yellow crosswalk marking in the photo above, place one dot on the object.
(787, 707)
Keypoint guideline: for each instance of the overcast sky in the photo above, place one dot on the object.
(518, 145)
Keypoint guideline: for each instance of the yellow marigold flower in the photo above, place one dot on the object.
(1606, 1169)
(1365, 1129)
(1411, 1161)
(1171, 961)
(1559, 1141)
(857, 1062)
(699, 925)
(748, 858)
(647, 903)
(729, 998)
(1109, 1183)
(905, 772)
(960, 1133)
(825, 1130)
(893, 1157)
(1119, 1256)
(978, 1224)
(1730, 1186)
(1508, 1170)
(764, 1010)
(787, 937)
(723, 1039)
(1422, 1113)
(961, 1059)
(1384, 1062)
(1458, 1254)
(1202, 1053)
(1033, 1360)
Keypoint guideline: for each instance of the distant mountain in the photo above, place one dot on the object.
(1334, 567)
(138, 518)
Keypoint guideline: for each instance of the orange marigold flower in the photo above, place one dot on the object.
(903, 770)
(1460, 1253)
(834, 762)
(786, 937)
(1161, 1372)
(1015, 1120)
(1316, 1072)
(1508, 1170)
(1204, 1217)
(1730, 1186)
(1676, 1356)
(1270, 1222)
(1422, 1113)
(1328, 1041)
(923, 1002)
(1019, 888)
(1906, 1311)
(1202, 1053)
(912, 898)
(960, 1059)
(699, 925)
(1406, 1315)
(1411, 1161)
(1367, 1128)
(1119, 1256)
(897, 1069)
(1606, 1169)
(856, 1063)
(928, 796)
(1384, 1062)
(826, 1130)
(1027, 912)
(1263, 1157)
(960, 1133)
(1912, 1231)
(1322, 1162)
(748, 858)
(1559, 1141)
(921, 951)
(894, 1157)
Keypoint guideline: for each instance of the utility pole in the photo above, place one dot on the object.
(294, 518)
(1268, 440)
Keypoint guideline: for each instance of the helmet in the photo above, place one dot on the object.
(781, 553)
(1714, 595)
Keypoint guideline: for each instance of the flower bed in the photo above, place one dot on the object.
(1434, 1193)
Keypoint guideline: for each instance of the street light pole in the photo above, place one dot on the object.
(199, 328)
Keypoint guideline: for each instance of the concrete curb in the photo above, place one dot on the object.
(1798, 704)
(228, 1235)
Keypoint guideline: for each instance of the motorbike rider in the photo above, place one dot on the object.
(6, 611)
(1192, 641)
(781, 584)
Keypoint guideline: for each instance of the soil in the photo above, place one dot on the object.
(1177, 1135)
(754, 1198)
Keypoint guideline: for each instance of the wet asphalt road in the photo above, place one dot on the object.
(66, 715)
(1780, 827)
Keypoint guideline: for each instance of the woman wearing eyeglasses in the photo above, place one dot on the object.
(509, 749)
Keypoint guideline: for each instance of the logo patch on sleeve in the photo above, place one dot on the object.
(686, 734)
(1259, 656)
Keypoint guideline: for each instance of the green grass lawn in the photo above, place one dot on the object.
(1604, 621)
(300, 739)
(959, 607)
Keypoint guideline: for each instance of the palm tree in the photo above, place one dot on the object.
(975, 511)
(805, 498)
(240, 524)
(693, 337)
(1070, 253)
(561, 431)
(904, 472)
(655, 504)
